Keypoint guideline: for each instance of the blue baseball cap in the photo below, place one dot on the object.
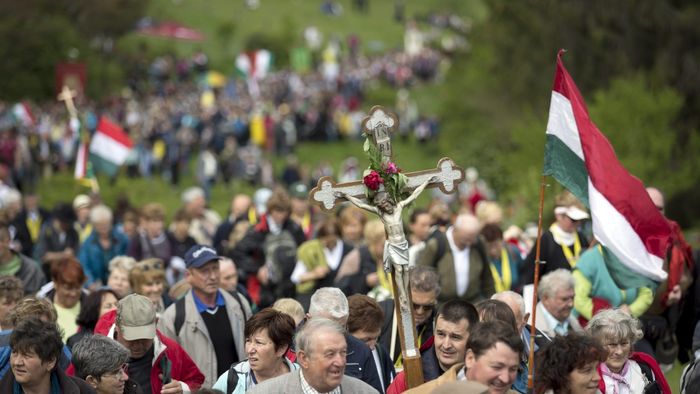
(198, 255)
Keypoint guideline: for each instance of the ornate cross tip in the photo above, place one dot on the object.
(325, 192)
(379, 117)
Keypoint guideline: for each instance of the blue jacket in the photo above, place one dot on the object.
(95, 260)
(5, 351)
(360, 363)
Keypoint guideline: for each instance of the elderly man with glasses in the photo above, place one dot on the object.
(102, 363)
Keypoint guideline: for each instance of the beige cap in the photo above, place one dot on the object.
(572, 211)
(136, 316)
(81, 201)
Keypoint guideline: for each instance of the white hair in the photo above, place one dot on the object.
(100, 213)
(329, 302)
(554, 281)
(615, 325)
(124, 263)
(516, 298)
(12, 196)
(192, 193)
(305, 337)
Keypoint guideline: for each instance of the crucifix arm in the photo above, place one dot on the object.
(416, 192)
(358, 203)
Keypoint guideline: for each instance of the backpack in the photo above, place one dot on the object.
(180, 312)
(653, 387)
(690, 377)
(232, 380)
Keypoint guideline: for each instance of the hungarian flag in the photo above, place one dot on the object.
(254, 64)
(579, 156)
(23, 114)
(109, 147)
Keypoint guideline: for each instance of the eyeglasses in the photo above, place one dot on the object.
(124, 368)
(422, 307)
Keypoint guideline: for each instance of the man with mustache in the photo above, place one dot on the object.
(453, 324)
(208, 323)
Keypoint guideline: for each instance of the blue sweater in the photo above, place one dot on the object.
(95, 260)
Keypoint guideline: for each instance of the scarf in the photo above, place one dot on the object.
(55, 385)
(565, 240)
(617, 378)
(502, 283)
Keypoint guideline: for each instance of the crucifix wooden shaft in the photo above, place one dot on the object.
(386, 204)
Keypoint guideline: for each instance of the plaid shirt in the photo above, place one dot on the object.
(307, 389)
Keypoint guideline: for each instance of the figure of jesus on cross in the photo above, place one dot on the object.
(396, 245)
(385, 191)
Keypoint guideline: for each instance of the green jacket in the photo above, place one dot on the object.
(437, 254)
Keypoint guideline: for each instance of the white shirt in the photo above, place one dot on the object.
(461, 262)
(556, 326)
(333, 259)
(378, 365)
(333, 256)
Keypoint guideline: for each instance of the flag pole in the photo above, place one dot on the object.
(533, 329)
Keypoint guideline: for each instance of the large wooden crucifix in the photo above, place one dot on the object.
(67, 96)
(383, 199)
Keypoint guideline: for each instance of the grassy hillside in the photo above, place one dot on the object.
(287, 19)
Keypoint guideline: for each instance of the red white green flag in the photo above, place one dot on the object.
(579, 156)
(109, 147)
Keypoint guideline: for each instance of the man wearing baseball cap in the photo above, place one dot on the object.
(157, 363)
(208, 322)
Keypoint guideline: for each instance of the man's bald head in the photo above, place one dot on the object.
(229, 274)
(465, 230)
(240, 205)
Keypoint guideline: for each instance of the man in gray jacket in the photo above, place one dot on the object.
(208, 323)
(321, 351)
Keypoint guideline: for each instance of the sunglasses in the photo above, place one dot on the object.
(151, 264)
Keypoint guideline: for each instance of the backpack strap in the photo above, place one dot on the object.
(232, 379)
(179, 315)
(237, 296)
(441, 240)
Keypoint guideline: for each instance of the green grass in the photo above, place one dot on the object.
(286, 18)
(61, 187)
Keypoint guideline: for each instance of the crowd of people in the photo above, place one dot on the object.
(174, 114)
(279, 296)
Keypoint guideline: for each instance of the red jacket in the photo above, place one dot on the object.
(182, 368)
(643, 358)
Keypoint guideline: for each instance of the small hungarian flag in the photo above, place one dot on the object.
(23, 114)
(109, 147)
(254, 64)
(579, 156)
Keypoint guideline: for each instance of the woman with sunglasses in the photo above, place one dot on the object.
(148, 279)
